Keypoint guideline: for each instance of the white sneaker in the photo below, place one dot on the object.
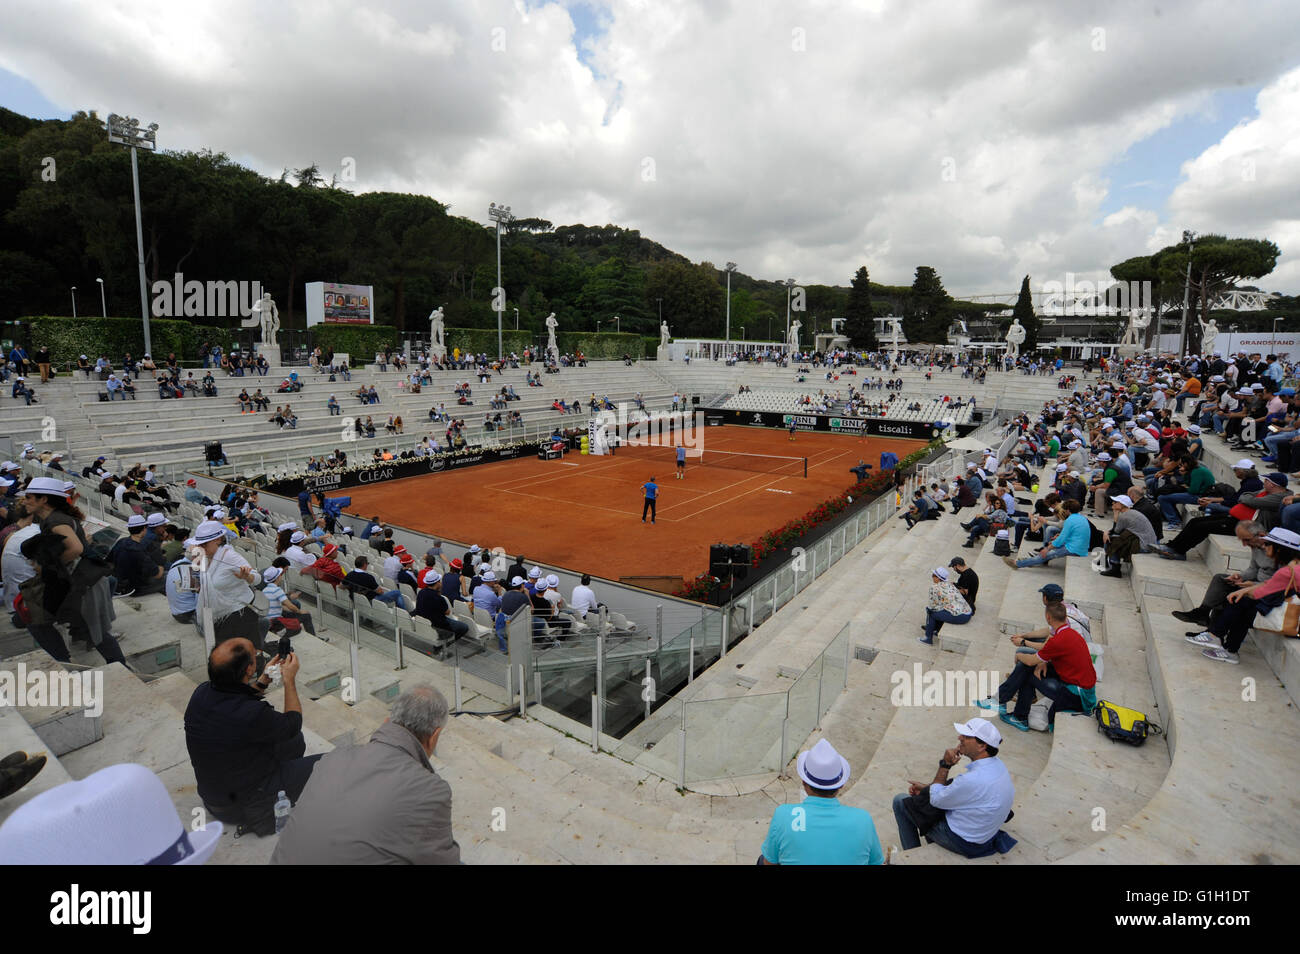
(1220, 655)
(1203, 639)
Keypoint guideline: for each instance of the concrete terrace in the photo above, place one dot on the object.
(1217, 787)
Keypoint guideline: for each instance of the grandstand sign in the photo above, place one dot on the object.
(861, 426)
(399, 469)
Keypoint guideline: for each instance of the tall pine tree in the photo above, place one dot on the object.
(928, 310)
(858, 324)
(1024, 311)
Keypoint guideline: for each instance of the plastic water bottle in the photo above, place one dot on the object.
(282, 809)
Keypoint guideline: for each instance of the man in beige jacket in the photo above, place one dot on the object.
(380, 803)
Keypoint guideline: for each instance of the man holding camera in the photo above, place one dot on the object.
(245, 753)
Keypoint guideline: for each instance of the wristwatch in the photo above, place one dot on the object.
(944, 765)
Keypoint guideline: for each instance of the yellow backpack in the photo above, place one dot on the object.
(1120, 723)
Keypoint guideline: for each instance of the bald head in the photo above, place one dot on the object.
(232, 662)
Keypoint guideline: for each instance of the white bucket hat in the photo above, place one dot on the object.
(47, 486)
(208, 531)
(120, 815)
(822, 767)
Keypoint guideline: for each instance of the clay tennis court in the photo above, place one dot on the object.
(584, 512)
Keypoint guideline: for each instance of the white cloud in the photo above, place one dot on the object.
(802, 139)
(1248, 183)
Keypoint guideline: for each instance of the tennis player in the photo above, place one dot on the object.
(792, 428)
(681, 462)
(651, 492)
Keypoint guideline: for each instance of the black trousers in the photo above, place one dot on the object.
(649, 505)
(1198, 528)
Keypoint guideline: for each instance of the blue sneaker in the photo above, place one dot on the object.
(990, 702)
(1269, 460)
(922, 639)
(1012, 720)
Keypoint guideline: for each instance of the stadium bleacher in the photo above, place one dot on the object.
(1213, 789)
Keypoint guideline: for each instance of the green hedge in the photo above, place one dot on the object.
(68, 338)
(359, 342)
(595, 346)
(476, 340)
(603, 346)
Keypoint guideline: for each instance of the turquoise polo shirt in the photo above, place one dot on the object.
(821, 831)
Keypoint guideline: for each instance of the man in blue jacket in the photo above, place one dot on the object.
(1073, 540)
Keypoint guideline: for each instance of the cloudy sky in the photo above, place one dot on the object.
(987, 138)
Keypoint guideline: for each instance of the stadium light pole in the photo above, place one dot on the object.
(103, 302)
(731, 267)
(516, 319)
(789, 288)
(661, 310)
(74, 301)
(499, 214)
(126, 131)
(1189, 238)
(618, 329)
(1273, 341)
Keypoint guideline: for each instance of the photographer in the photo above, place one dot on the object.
(70, 585)
(245, 753)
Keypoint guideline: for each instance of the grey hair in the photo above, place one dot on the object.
(422, 710)
(1253, 527)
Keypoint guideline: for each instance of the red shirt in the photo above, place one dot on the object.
(328, 571)
(1068, 653)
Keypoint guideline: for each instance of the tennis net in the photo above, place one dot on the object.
(666, 455)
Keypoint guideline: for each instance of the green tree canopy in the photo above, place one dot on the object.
(858, 325)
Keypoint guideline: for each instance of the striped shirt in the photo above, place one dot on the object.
(274, 597)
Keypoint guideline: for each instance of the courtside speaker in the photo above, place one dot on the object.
(719, 560)
(212, 452)
(695, 399)
(977, 417)
(742, 556)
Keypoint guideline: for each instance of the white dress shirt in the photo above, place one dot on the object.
(977, 801)
(583, 601)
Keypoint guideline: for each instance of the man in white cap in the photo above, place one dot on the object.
(134, 565)
(295, 553)
(819, 830)
(971, 808)
(487, 595)
(228, 586)
(120, 815)
(1132, 533)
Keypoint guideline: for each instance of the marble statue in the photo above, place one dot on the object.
(663, 334)
(268, 317)
(1209, 331)
(1015, 337)
(895, 328)
(551, 324)
(437, 332)
(1137, 323)
(793, 340)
